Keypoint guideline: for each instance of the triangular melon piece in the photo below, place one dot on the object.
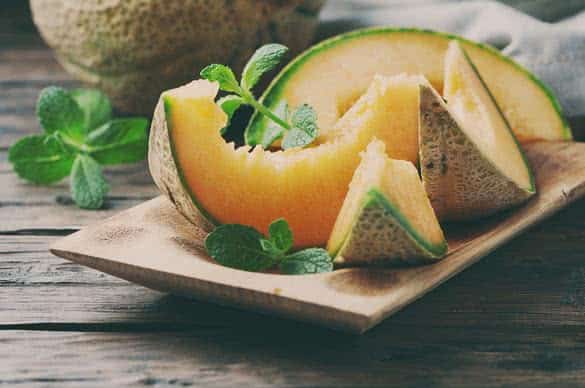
(471, 163)
(386, 216)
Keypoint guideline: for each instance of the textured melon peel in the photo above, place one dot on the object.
(386, 216)
(212, 182)
(471, 163)
(134, 49)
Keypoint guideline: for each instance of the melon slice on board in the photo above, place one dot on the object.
(211, 182)
(470, 161)
(331, 75)
(386, 216)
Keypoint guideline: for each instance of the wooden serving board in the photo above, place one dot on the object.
(155, 246)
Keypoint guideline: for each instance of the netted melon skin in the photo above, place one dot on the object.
(379, 238)
(461, 183)
(135, 49)
(165, 174)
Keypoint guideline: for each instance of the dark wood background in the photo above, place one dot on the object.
(516, 318)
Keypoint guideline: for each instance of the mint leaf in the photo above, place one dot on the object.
(223, 75)
(40, 159)
(271, 249)
(305, 118)
(311, 260)
(280, 235)
(243, 247)
(273, 130)
(229, 104)
(238, 246)
(304, 130)
(296, 138)
(263, 60)
(267, 245)
(58, 111)
(95, 105)
(119, 141)
(88, 186)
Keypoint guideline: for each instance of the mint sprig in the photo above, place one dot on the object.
(79, 136)
(243, 247)
(295, 133)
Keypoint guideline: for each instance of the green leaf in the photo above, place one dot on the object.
(304, 131)
(296, 138)
(263, 60)
(119, 141)
(224, 75)
(40, 159)
(305, 118)
(58, 111)
(238, 246)
(88, 186)
(274, 131)
(270, 248)
(229, 104)
(96, 107)
(311, 260)
(281, 235)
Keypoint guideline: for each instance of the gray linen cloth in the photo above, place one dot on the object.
(546, 36)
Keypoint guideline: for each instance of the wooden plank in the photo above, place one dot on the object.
(296, 357)
(537, 279)
(25, 206)
(152, 245)
(27, 65)
(505, 320)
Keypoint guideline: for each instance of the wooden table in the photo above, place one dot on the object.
(516, 318)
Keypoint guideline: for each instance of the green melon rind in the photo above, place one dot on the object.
(274, 90)
(432, 137)
(204, 213)
(427, 251)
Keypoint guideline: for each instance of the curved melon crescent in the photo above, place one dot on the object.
(210, 181)
(331, 74)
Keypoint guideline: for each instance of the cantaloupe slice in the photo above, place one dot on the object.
(331, 75)
(386, 216)
(211, 182)
(470, 161)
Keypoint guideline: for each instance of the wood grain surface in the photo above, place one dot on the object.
(153, 245)
(517, 318)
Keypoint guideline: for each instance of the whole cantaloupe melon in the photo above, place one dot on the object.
(135, 49)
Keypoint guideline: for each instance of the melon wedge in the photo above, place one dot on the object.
(386, 215)
(212, 182)
(331, 75)
(471, 163)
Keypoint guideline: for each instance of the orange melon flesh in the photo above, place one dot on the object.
(394, 104)
(255, 187)
(474, 108)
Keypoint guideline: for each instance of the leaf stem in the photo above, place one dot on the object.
(249, 98)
